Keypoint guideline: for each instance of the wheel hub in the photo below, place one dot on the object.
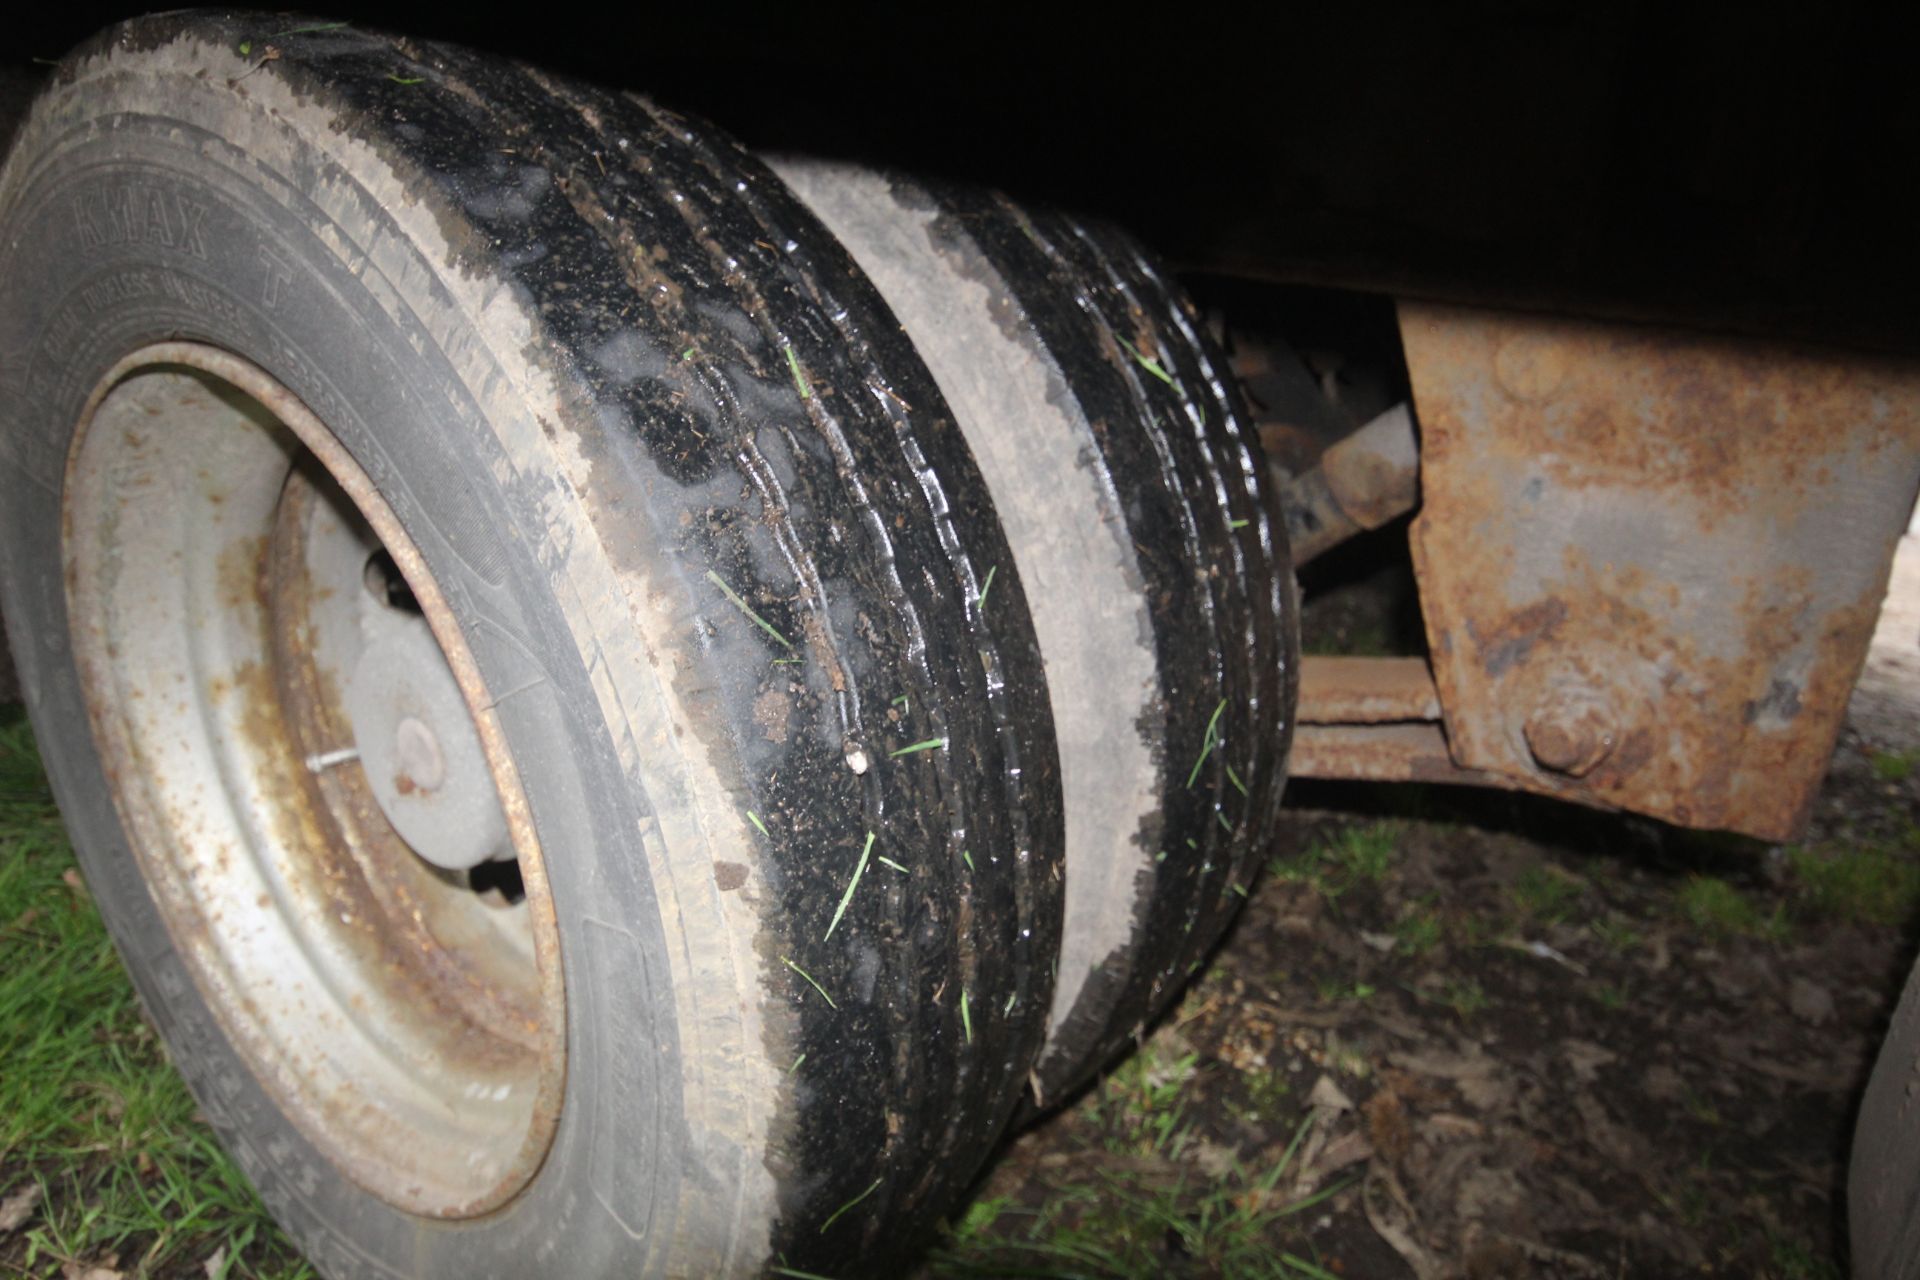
(421, 754)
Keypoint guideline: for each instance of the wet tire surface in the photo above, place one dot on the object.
(780, 493)
(1123, 464)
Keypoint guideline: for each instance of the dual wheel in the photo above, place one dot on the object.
(625, 705)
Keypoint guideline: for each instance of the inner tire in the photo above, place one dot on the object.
(700, 519)
(1124, 467)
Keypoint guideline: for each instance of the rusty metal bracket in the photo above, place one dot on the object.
(1362, 482)
(1343, 690)
(1374, 720)
(1650, 561)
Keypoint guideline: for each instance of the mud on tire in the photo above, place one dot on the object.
(718, 558)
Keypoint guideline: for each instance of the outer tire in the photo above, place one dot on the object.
(599, 363)
(1123, 464)
(1883, 1194)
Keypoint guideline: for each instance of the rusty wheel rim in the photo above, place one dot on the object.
(224, 557)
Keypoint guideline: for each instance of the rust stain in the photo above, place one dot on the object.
(1342, 690)
(410, 926)
(238, 568)
(1384, 753)
(1514, 636)
(1650, 560)
(257, 589)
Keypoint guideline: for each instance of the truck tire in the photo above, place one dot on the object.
(1883, 1180)
(1123, 464)
(507, 618)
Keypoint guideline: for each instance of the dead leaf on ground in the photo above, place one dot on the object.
(1392, 1218)
(1329, 1096)
(1490, 1092)
(1387, 1124)
(1662, 1083)
(1617, 1143)
(1350, 1148)
(1810, 1002)
(19, 1206)
(1213, 1159)
(1447, 1066)
(1487, 1192)
(91, 1271)
(1445, 1125)
(1587, 1058)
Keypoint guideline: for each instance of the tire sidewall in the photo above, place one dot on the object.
(359, 324)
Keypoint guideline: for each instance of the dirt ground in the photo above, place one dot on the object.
(1529, 1046)
(1520, 1039)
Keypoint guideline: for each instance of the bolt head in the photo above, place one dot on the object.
(1571, 734)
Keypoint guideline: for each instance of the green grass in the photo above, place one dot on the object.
(1893, 766)
(89, 1107)
(1355, 856)
(852, 884)
(1208, 743)
(1868, 884)
(1792, 1259)
(1702, 1109)
(1334, 991)
(1615, 934)
(1419, 931)
(1465, 996)
(735, 598)
(1140, 1105)
(1718, 911)
(985, 587)
(1121, 1225)
(1544, 894)
(799, 378)
(1365, 853)
(1269, 1093)
(1363, 639)
(1611, 996)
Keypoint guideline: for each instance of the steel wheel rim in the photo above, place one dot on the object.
(411, 1029)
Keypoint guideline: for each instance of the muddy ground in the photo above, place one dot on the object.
(1513, 1038)
(1526, 1041)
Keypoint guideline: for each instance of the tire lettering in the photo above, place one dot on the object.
(193, 219)
(141, 214)
(118, 288)
(204, 299)
(278, 276)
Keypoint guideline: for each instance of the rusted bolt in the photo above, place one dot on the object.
(1572, 732)
(1531, 367)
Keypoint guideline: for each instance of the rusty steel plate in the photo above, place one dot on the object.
(1650, 561)
(1335, 689)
